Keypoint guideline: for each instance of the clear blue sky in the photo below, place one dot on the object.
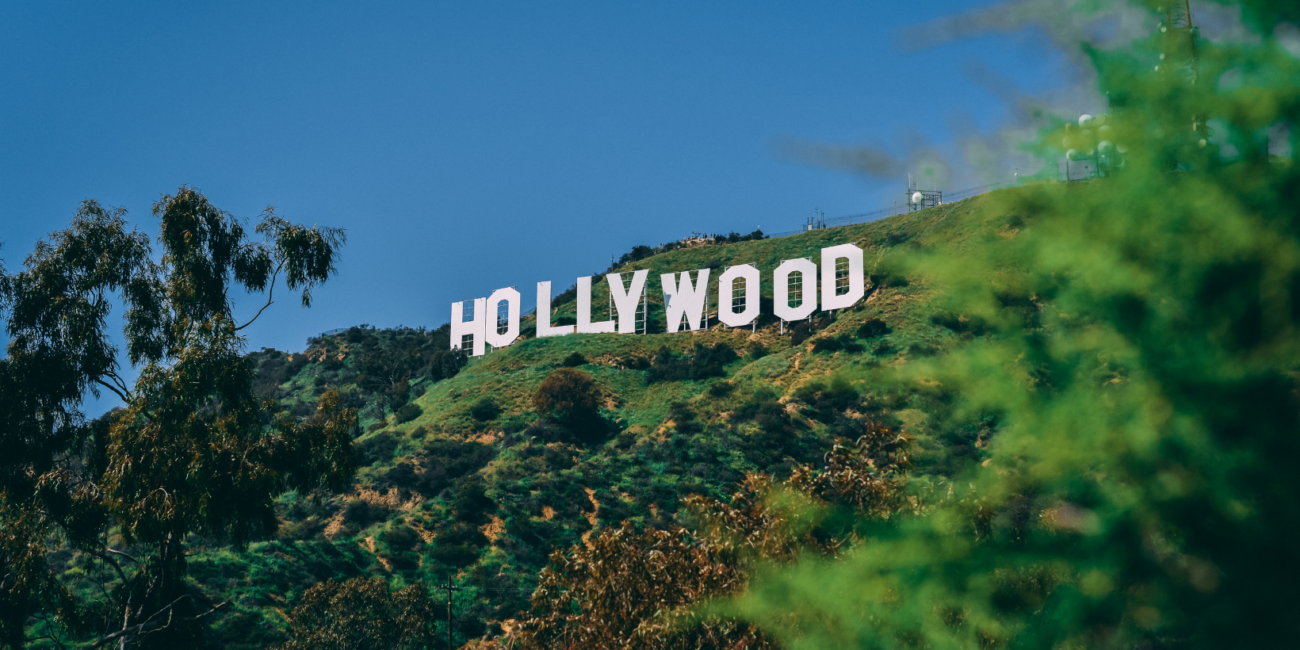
(468, 146)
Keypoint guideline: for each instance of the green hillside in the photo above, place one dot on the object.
(462, 480)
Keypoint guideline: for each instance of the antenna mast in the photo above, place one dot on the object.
(1179, 52)
(1178, 56)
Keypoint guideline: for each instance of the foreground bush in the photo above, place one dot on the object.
(362, 613)
(1135, 338)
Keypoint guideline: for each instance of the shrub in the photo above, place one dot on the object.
(703, 363)
(721, 389)
(566, 394)
(402, 476)
(472, 504)
(574, 360)
(362, 513)
(975, 326)
(407, 413)
(802, 330)
(458, 545)
(446, 461)
(292, 368)
(888, 278)
(684, 418)
(763, 409)
(800, 333)
(873, 328)
(634, 362)
(709, 362)
(362, 613)
(571, 399)
(837, 343)
(445, 364)
(667, 366)
(824, 401)
(400, 537)
(378, 448)
(485, 410)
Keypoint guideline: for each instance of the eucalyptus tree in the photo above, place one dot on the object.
(189, 453)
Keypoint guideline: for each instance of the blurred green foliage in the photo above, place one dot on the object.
(1139, 363)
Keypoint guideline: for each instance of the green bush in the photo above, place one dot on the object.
(472, 504)
(873, 328)
(400, 537)
(406, 413)
(1139, 490)
(361, 513)
(824, 400)
(377, 448)
(570, 399)
(843, 342)
(684, 418)
(458, 545)
(484, 410)
(722, 389)
(703, 363)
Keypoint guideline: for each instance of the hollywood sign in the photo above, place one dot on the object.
(684, 300)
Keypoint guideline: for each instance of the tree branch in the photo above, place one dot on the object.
(111, 374)
(143, 627)
(111, 562)
(113, 388)
(270, 293)
(49, 632)
(114, 551)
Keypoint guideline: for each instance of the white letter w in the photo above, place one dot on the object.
(684, 299)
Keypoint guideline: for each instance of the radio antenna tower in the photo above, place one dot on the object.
(918, 199)
(816, 221)
(1179, 52)
(1178, 55)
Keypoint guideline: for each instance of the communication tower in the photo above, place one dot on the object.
(1178, 55)
(816, 221)
(919, 199)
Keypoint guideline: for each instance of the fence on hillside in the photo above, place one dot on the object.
(864, 217)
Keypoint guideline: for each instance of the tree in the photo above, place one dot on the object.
(644, 588)
(362, 613)
(1140, 491)
(188, 453)
(571, 399)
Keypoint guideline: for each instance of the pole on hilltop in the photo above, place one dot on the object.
(448, 587)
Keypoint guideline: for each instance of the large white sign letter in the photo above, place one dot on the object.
(781, 289)
(585, 326)
(474, 328)
(502, 339)
(626, 302)
(685, 299)
(726, 289)
(544, 328)
(855, 289)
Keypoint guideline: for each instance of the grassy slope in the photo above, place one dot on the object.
(544, 494)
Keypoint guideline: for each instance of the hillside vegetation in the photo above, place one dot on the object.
(462, 479)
